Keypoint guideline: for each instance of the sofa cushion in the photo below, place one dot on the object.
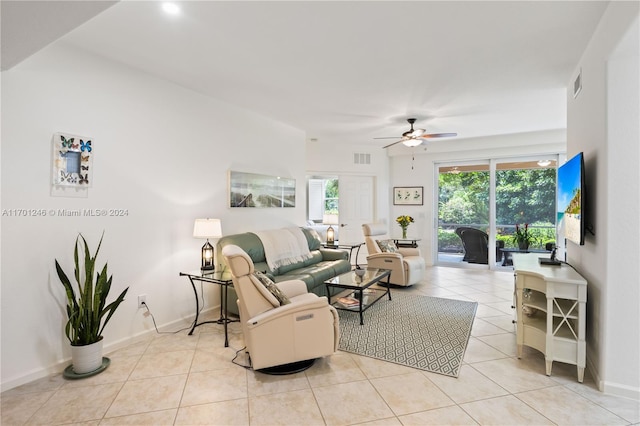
(272, 288)
(321, 272)
(316, 256)
(248, 241)
(387, 246)
(313, 238)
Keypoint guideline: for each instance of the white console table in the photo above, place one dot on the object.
(550, 311)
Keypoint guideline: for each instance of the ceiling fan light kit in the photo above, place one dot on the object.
(412, 142)
(414, 137)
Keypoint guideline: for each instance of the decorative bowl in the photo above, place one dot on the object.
(360, 272)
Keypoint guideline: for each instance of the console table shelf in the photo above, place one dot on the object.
(551, 311)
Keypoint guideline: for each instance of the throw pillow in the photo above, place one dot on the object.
(272, 287)
(387, 246)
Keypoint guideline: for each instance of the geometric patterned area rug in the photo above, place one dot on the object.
(428, 333)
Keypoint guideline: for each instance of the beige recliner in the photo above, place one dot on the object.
(407, 265)
(275, 335)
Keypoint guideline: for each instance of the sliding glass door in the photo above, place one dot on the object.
(463, 202)
(479, 206)
(526, 196)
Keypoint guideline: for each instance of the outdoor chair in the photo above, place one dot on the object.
(476, 245)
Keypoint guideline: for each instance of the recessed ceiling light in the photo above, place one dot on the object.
(171, 8)
(544, 163)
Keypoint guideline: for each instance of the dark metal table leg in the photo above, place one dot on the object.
(225, 318)
(360, 303)
(389, 286)
(195, 292)
(357, 254)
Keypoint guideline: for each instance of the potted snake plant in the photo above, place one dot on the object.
(87, 309)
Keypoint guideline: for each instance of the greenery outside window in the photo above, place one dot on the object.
(524, 194)
(323, 198)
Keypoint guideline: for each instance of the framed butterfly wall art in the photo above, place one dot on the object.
(72, 160)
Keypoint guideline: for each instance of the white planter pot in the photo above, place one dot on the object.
(86, 358)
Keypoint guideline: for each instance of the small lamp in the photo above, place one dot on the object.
(331, 236)
(330, 219)
(207, 228)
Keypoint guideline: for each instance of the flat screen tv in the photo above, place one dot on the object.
(570, 203)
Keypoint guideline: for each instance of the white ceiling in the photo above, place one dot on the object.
(346, 72)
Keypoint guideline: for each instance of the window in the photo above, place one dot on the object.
(323, 199)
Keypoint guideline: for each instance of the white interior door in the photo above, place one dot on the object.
(356, 207)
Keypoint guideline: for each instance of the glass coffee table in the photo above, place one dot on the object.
(362, 295)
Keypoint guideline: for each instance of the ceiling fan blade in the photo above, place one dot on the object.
(438, 135)
(390, 137)
(391, 144)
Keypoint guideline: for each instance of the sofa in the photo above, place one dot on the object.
(323, 264)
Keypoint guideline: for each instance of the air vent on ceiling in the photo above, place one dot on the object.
(361, 158)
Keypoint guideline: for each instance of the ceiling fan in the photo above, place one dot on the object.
(415, 137)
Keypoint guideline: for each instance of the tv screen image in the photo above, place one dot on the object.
(570, 203)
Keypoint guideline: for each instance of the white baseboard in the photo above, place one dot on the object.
(594, 373)
(59, 366)
(610, 388)
(621, 390)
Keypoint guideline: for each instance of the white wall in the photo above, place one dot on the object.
(337, 159)
(162, 153)
(419, 170)
(603, 123)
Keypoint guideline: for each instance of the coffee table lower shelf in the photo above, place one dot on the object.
(361, 296)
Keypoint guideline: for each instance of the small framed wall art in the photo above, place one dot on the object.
(408, 195)
(72, 161)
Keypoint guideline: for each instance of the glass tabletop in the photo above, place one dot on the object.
(351, 279)
(214, 276)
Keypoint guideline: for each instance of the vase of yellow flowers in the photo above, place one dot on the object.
(404, 222)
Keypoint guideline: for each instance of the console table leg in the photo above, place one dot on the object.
(519, 351)
(580, 374)
(549, 364)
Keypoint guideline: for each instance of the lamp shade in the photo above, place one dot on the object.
(207, 228)
(330, 219)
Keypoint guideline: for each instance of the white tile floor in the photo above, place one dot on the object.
(189, 380)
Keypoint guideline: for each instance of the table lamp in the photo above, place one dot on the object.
(330, 219)
(207, 228)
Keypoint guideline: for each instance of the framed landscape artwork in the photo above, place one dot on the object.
(408, 195)
(256, 190)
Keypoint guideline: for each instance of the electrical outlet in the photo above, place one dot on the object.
(142, 300)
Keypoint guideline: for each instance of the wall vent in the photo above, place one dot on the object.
(361, 158)
(577, 84)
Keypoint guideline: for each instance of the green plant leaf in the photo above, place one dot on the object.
(86, 309)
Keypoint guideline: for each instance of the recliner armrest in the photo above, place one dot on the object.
(409, 251)
(288, 310)
(385, 255)
(292, 288)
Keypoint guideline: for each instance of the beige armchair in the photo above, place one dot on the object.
(407, 264)
(275, 335)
